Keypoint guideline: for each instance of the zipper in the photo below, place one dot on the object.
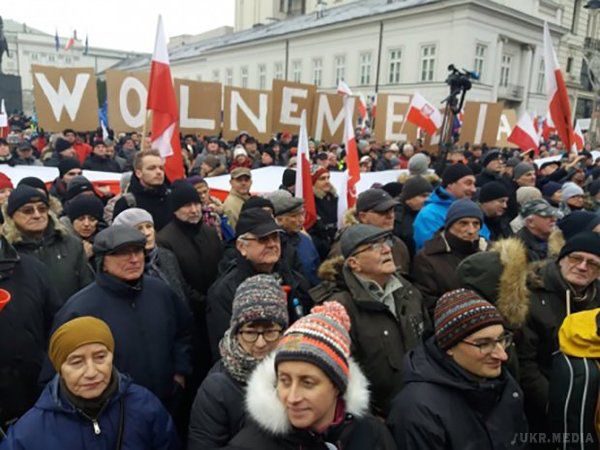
(96, 427)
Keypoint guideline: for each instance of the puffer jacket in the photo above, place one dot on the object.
(380, 339)
(54, 424)
(61, 252)
(268, 427)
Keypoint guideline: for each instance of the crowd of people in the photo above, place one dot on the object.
(456, 308)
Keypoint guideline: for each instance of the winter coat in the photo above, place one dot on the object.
(403, 226)
(31, 161)
(100, 163)
(323, 231)
(59, 189)
(537, 250)
(300, 254)
(539, 338)
(486, 176)
(154, 200)
(434, 268)
(268, 427)
(499, 227)
(61, 252)
(219, 299)
(218, 411)
(165, 267)
(150, 325)
(24, 326)
(384, 164)
(54, 424)
(232, 206)
(444, 407)
(380, 339)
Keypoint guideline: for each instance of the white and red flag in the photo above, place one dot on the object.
(524, 134)
(424, 115)
(362, 108)
(4, 128)
(578, 139)
(304, 186)
(163, 104)
(547, 127)
(556, 90)
(71, 41)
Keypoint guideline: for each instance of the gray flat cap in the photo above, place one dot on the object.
(360, 234)
(116, 236)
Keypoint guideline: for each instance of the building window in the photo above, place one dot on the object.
(229, 77)
(576, 16)
(216, 75)
(297, 71)
(75, 58)
(365, 63)
(541, 79)
(34, 56)
(68, 59)
(278, 72)
(395, 57)
(199, 77)
(262, 76)
(340, 68)
(480, 51)
(427, 62)
(505, 70)
(317, 77)
(569, 64)
(244, 76)
(51, 58)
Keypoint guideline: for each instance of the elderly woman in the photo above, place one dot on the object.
(89, 404)
(259, 316)
(310, 393)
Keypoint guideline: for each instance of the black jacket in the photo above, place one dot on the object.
(443, 407)
(24, 326)
(102, 164)
(154, 200)
(537, 250)
(403, 226)
(323, 231)
(499, 228)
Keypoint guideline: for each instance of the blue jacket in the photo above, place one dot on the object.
(150, 324)
(433, 215)
(53, 424)
(309, 258)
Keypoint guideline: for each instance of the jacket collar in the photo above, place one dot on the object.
(135, 187)
(13, 235)
(9, 258)
(119, 287)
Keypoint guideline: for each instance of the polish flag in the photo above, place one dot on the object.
(362, 108)
(548, 127)
(3, 121)
(524, 135)
(556, 89)
(71, 41)
(374, 109)
(578, 139)
(424, 115)
(163, 104)
(304, 187)
(343, 88)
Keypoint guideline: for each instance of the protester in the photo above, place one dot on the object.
(326, 201)
(100, 160)
(523, 175)
(6, 156)
(493, 200)
(492, 168)
(84, 218)
(25, 156)
(63, 149)
(539, 221)
(552, 193)
(524, 195)
(241, 182)
(53, 202)
(6, 187)
(415, 192)
(571, 198)
(68, 169)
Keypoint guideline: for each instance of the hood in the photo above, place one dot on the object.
(500, 276)
(350, 217)
(440, 196)
(556, 242)
(321, 194)
(433, 178)
(14, 236)
(579, 335)
(268, 412)
(331, 268)
(438, 244)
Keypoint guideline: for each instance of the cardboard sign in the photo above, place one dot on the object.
(391, 114)
(65, 98)
(289, 100)
(508, 120)
(199, 107)
(328, 117)
(247, 110)
(480, 125)
(127, 93)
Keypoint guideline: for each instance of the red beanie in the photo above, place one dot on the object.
(5, 182)
(320, 171)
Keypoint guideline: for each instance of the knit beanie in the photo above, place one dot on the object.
(75, 333)
(415, 186)
(462, 208)
(490, 156)
(258, 202)
(492, 191)
(594, 188)
(259, 298)
(550, 188)
(569, 190)
(78, 185)
(460, 313)
(5, 182)
(577, 222)
(527, 193)
(393, 188)
(85, 205)
(61, 145)
(321, 338)
(67, 164)
(195, 179)
(34, 182)
(586, 241)
(521, 169)
(132, 217)
(320, 171)
(418, 164)
(21, 196)
(182, 193)
(454, 173)
(288, 178)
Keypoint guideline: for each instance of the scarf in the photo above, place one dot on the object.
(237, 362)
(91, 407)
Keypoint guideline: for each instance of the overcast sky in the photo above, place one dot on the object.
(120, 24)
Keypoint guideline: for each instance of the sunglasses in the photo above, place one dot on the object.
(30, 210)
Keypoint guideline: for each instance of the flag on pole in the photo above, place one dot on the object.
(373, 110)
(524, 135)
(578, 139)
(56, 40)
(86, 48)
(362, 108)
(71, 41)
(3, 121)
(556, 90)
(547, 127)
(304, 187)
(162, 103)
(424, 115)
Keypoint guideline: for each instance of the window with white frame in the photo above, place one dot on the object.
(541, 78)
(427, 62)
(365, 63)
(478, 64)
(505, 70)
(244, 76)
(262, 76)
(51, 58)
(34, 56)
(278, 71)
(317, 66)
(199, 77)
(297, 71)
(229, 76)
(395, 59)
(216, 75)
(68, 59)
(340, 68)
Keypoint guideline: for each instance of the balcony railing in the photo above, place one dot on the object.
(592, 44)
(511, 92)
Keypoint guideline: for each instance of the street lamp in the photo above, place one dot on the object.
(593, 4)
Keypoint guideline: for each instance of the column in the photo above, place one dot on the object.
(526, 70)
(499, 50)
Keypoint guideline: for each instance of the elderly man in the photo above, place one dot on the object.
(258, 250)
(33, 229)
(493, 200)
(389, 153)
(523, 175)
(492, 164)
(151, 325)
(100, 160)
(241, 182)
(539, 220)
(386, 311)
(558, 288)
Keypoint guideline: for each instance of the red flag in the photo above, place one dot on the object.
(304, 187)
(524, 134)
(362, 108)
(556, 89)
(374, 109)
(71, 41)
(578, 139)
(163, 104)
(547, 128)
(424, 114)
(4, 128)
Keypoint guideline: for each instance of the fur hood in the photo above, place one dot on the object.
(350, 217)
(14, 236)
(556, 242)
(268, 412)
(321, 194)
(432, 177)
(331, 268)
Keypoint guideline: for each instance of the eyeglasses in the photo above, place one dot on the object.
(251, 336)
(264, 239)
(376, 246)
(30, 210)
(578, 259)
(487, 346)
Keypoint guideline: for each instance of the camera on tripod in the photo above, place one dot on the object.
(460, 81)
